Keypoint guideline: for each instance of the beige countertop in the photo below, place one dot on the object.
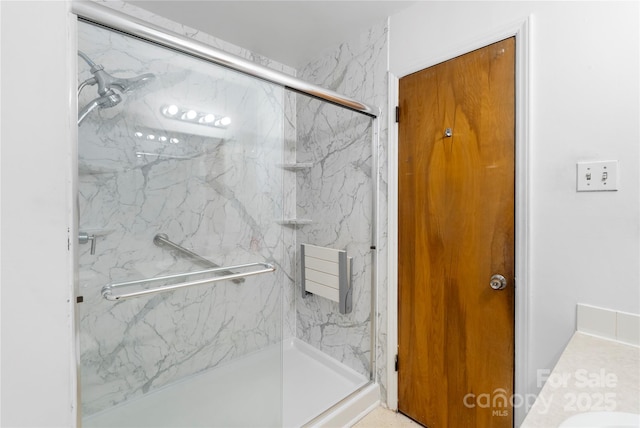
(592, 375)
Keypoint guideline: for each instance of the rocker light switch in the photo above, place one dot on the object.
(598, 176)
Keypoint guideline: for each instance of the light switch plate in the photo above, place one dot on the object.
(600, 176)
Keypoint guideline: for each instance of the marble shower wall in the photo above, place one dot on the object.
(182, 342)
(336, 194)
(216, 192)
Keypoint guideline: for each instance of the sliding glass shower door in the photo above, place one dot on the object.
(180, 188)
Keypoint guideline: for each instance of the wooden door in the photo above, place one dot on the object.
(456, 230)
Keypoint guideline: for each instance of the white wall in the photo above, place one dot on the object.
(584, 105)
(37, 345)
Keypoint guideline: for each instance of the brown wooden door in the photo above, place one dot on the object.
(456, 230)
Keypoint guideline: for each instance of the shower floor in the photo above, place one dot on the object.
(243, 393)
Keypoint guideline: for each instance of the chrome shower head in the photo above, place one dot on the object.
(106, 85)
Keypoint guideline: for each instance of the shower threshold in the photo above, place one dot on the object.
(244, 393)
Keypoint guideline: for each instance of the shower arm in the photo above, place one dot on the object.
(99, 76)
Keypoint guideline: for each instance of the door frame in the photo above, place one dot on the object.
(521, 30)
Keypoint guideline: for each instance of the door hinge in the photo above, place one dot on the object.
(396, 365)
(397, 114)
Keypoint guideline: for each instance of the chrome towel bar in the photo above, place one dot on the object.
(112, 291)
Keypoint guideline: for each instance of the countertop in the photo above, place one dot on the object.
(592, 375)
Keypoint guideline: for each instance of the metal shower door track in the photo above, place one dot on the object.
(104, 16)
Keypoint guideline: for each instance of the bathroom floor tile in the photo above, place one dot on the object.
(385, 418)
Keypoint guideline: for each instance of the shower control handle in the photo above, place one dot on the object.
(498, 282)
(84, 237)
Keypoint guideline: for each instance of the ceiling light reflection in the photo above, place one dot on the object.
(171, 110)
(193, 116)
(154, 136)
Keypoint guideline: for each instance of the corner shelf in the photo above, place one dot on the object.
(295, 167)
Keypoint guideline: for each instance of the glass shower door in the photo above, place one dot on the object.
(335, 200)
(178, 183)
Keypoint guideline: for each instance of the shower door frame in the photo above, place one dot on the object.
(125, 24)
(122, 23)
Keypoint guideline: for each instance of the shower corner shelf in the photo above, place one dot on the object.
(295, 221)
(296, 166)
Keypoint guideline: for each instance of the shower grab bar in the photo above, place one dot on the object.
(110, 291)
(161, 239)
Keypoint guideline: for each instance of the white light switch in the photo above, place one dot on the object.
(598, 176)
